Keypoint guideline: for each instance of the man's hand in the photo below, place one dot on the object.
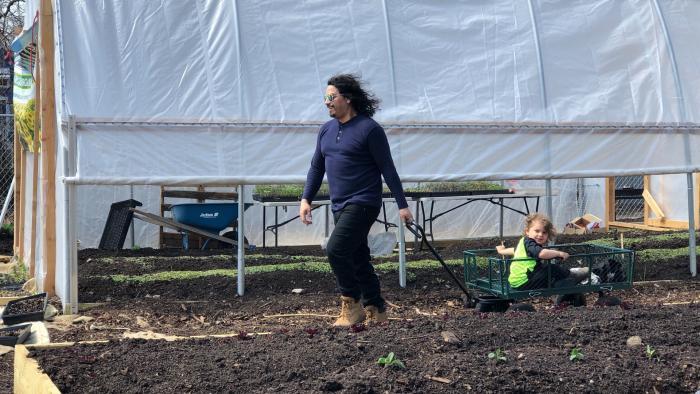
(305, 212)
(405, 215)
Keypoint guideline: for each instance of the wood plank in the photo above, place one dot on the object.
(668, 223)
(157, 220)
(637, 226)
(29, 378)
(647, 183)
(19, 200)
(609, 201)
(35, 177)
(48, 143)
(652, 204)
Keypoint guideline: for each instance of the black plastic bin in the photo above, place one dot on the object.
(14, 335)
(117, 225)
(38, 315)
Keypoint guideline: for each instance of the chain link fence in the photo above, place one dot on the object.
(7, 170)
(629, 203)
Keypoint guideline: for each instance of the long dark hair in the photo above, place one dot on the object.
(350, 87)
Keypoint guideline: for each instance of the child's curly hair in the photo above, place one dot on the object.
(548, 226)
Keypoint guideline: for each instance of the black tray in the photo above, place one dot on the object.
(12, 340)
(457, 193)
(24, 317)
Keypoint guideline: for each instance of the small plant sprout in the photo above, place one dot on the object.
(576, 354)
(390, 361)
(498, 356)
(651, 352)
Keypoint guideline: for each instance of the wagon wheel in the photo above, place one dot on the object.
(522, 307)
(575, 300)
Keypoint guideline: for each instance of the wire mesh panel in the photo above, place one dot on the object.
(6, 164)
(629, 203)
(597, 268)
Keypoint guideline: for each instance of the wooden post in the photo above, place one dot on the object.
(19, 184)
(48, 142)
(609, 201)
(647, 182)
(35, 177)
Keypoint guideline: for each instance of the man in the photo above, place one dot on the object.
(352, 149)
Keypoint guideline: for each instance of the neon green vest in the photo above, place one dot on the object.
(520, 265)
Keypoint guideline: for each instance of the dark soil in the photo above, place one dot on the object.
(317, 358)
(24, 306)
(6, 378)
(284, 341)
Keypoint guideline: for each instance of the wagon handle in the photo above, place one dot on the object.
(412, 226)
(417, 230)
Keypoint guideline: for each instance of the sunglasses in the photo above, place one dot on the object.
(329, 97)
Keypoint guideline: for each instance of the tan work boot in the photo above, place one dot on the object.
(374, 315)
(350, 312)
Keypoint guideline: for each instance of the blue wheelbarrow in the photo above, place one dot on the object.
(209, 217)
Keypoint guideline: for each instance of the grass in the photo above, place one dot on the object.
(310, 266)
(17, 275)
(658, 238)
(320, 264)
(659, 255)
(7, 228)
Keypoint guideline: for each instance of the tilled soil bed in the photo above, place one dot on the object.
(283, 341)
(536, 350)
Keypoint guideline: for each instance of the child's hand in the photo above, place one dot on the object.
(563, 255)
(501, 249)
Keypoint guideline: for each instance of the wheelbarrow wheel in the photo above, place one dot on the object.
(214, 244)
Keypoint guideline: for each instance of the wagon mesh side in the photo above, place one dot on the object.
(487, 271)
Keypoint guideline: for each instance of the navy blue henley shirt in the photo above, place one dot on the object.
(355, 155)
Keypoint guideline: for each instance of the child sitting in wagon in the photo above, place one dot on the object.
(527, 270)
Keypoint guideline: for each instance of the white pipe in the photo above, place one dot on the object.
(688, 159)
(272, 179)
(241, 239)
(691, 227)
(6, 204)
(387, 30)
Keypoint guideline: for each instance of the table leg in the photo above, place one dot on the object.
(276, 224)
(264, 228)
(500, 228)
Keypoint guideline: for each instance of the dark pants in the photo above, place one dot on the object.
(538, 278)
(349, 257)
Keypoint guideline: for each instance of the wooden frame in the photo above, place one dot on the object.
(48, 143)
(660, 222)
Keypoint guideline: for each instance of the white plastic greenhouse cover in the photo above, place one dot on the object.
(175, 92)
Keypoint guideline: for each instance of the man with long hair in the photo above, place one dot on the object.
(352, 149)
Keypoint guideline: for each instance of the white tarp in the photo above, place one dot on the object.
(526, 89)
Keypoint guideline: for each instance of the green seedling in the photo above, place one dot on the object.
(390, 361)
(135, 247)
(651, 352)
(576, 354)
(498, 356)
(7, 228)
